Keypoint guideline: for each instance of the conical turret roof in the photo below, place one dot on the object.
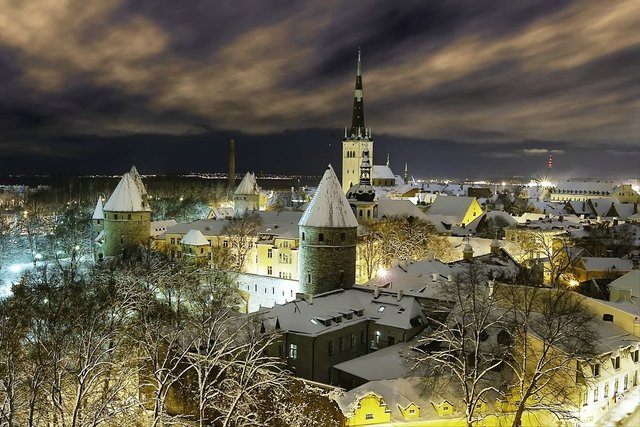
(329, 206)
(128, 195)
(98, 213)
(248, 185)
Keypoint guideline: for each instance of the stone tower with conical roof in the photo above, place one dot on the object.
(127, 217)
(357, 138)
(97, 219)
(328, 232)
(246, 198)
(361, 196)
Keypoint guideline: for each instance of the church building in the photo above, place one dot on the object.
(358, 140)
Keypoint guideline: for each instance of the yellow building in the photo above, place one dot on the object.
(272, 251)
(406, 402)
(455, 211)
(626, 194)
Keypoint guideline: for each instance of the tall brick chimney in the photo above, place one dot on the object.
(232, 165)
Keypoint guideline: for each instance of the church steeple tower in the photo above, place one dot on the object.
(357, 122)
(357, 138)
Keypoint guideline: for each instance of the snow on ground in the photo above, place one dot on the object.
(629, 403)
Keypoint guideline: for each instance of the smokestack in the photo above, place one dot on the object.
(232, 164)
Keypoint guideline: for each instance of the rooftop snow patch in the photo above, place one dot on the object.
(329, 206)
(194, 238)
(127, 196)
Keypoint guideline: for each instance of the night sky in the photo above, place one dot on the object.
(454, 88)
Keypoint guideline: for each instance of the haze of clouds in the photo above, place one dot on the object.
(492, 72)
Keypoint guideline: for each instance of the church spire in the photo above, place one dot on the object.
(357, 123)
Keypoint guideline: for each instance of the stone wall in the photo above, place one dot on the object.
(127, 231)
(327, 259)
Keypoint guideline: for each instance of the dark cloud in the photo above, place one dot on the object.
(104, 83)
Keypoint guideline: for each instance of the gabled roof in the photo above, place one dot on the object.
(127, 197)
(399, 208)
(329, 206)
(602, 205)
(630, 281)
(382, 172)
(194, 238)
(606, 264)
(98, 213)
(248, 185)
(453, 206)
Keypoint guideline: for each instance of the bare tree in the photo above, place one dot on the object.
(242, 232)
(249, 379)
(458, 350)
(411, 239)
(556, 252)
(551, 330)
(369, 251)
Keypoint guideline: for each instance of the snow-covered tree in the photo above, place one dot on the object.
(464, 349)
(552, 330)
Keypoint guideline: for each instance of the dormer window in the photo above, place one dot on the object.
(615, 361)
(381, 309)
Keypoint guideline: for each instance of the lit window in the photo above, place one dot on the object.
(293, 351)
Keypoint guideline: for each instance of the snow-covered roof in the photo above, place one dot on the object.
(399, 208)
(606, 264)
(630, 281)
(452, 206)
(502, 215)
(159, 227)
(329, 206)
(400, 392)
(248, 185)
(127, 196)
(194, 238)
(98, 213)
(222, 213)
(138, 180)
(624, 210)
(384, 364)
(360, 304)
(554, 208)
(426, 278)
(602, 205)
(382, 172)
(585, 187)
